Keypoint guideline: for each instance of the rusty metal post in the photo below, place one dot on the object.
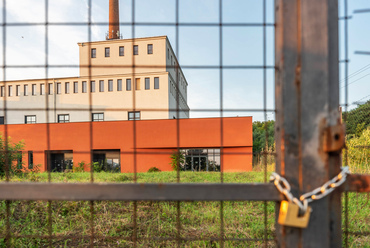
(113, 20)
(307, 100)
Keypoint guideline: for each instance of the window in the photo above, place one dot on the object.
(168, 53)
(63, 118)
(121, 51)
(150, 48)
(2, 120)
(59, 88)
(156, 83)
(50, 89)
(19, 160)
(2, 91)
(75, 87)
(10, 90)
(18, 90)
(110, 85)
(107, 52)
(98, 117)
(128, 84)
(119, 85)
(92, 86)
(42, 89)
(30, 119)
(135, 115)
(84, 86)
(147, 83)
(136, 50)
(30, 159)
(137, 83)
(101, 86)
(34, 89)
(26, 89)
(93, 52)
(66, 88)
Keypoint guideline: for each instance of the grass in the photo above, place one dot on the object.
(114, 225)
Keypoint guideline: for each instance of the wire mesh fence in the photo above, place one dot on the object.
(229, 53)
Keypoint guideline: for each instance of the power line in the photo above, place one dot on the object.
(356, 80)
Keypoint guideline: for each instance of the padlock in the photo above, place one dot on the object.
(289, 215)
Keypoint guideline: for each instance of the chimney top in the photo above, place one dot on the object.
(113, 32)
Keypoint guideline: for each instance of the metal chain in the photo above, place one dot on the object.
(284, 187)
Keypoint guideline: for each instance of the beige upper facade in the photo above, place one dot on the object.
(119, 80)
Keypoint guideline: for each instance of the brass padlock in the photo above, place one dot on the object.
(289, 215)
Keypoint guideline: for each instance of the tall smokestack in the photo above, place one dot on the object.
(113, 20)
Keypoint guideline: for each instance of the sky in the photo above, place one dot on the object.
(197, 46)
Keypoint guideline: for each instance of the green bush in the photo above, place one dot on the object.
(177, 160)
(154, 169)
(80, 167)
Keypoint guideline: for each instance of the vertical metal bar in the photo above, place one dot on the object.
(222, 225)
(307, 100)
(7, 177)
(346, 111)
(265, 115)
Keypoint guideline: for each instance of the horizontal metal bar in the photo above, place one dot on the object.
(357, 183)
(139, 192)
(362, 52)
(129, 238)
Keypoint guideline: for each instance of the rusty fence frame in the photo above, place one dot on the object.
(307, 100)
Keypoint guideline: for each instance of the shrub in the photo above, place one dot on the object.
(154, 169)
(80, 167)
(177, 160)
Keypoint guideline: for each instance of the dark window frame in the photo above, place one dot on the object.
(147, 83)
(30, 159)
(121, 51)
(75, 87)
(93, 53)
(156, 83)
(63, 120)
(150, 48)
(2, 120)
(66, 87)
(134, 115)
(128, 84)
(97, 117)
(119, 84)
(30, 121)
(92, 86)
(84, 87)
(107, 52)
(110, 85)
(101, 85)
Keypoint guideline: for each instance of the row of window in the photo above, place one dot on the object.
(64, 118)
(121, 51)
(76, 87)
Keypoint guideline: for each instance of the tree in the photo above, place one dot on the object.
(357, 120)
(259, 136)
(9, 154)
(177, 159)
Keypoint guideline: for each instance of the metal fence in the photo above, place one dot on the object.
(308, 153)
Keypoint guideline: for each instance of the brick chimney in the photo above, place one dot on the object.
(113, 32)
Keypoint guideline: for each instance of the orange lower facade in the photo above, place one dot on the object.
(140, 144)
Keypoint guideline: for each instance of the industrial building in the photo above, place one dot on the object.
(127, 108)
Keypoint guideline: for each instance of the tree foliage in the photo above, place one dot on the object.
(359, 152)
(10, 156)
(357, 120)
(259, 136)
(177, 159)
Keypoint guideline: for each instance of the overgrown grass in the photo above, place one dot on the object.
(114, 225)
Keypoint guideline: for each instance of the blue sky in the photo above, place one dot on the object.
(196, 46)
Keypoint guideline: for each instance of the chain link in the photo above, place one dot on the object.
(284, 187)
